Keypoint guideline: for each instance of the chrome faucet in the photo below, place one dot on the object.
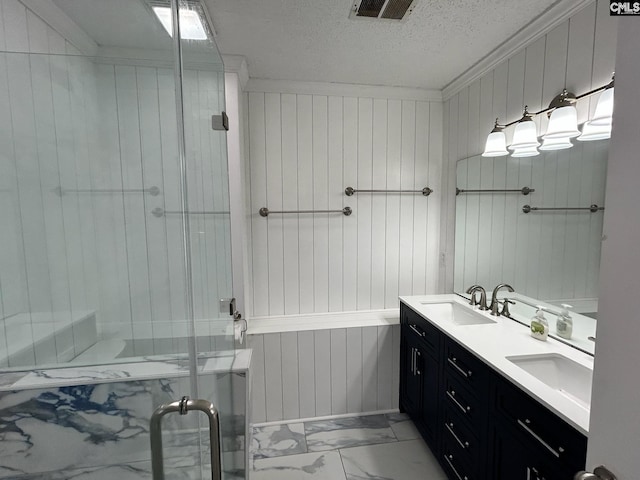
(483, 297)
(493, 306)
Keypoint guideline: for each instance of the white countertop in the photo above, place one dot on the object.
(494, 342)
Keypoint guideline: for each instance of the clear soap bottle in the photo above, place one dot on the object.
(539, 325)
(564, 323)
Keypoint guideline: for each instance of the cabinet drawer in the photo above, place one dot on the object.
(464, 366)
(460, 437)
(416, 326)
(457, 398)
(540, 426)
(454, 465)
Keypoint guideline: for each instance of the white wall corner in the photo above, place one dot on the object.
(52, 15)
(540, 26)
(237, 64)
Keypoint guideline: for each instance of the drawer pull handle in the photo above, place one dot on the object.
(418, 355)
(415, 329)
(452, 395)
(448, 459)
(538, 438)
(452, 361)
(449, 426)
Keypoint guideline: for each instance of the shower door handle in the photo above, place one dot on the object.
(184, 406)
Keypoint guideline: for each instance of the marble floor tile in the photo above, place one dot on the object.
(402, 426)
(278, 440)
(311, 466)
(409, 460)
(348, 432)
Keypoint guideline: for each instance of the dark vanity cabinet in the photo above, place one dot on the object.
(478, 424)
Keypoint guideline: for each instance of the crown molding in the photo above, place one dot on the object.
(558, 13)
(237, 64)
(342, 90)
(52, 15)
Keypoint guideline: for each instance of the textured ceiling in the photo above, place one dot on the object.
(315, 40)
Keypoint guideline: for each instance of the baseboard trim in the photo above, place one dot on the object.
(324, 418)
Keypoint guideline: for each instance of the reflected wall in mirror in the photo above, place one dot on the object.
(550, 255)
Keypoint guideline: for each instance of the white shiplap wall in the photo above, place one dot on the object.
(579, 53)
(303, 150)
(47, 239)
(324, 372)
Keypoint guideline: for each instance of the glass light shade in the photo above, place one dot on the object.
(525, 136)
(525, 152)
(191, 27)
(563, 123)
(592, 132)
(496, 145)
(556, 144)
(604, 109)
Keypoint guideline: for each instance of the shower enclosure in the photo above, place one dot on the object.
(115, 245)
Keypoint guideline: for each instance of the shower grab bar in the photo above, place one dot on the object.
(426, 191)
(593, 208)
(153, 191)
(265, 212)
(184, 406)
(523, 191)
(159, 212)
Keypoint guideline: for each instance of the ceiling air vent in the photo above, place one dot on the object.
(387, 9)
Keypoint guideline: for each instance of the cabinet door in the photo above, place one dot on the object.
(514, 459)
(411, 393)
(429, 368)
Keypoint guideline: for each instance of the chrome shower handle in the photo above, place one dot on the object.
(184, 406)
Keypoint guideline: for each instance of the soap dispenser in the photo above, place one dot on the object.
(539, 325)
(564, 323)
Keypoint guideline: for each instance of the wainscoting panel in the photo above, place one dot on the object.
(324, 372)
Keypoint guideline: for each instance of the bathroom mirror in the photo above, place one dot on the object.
(545, 243)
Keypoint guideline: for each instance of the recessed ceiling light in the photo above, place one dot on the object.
(191, 26)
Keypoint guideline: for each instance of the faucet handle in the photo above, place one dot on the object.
(505, 307)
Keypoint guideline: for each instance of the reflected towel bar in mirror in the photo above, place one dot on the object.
(523, 191)
(151, 190)
(593, 208)
(265, 212)
(426, 191)
(159, 212)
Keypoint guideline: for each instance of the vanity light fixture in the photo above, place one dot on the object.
(525, 137)
(563, 125)
(496, 145)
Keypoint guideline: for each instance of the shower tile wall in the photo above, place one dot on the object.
(69, 122)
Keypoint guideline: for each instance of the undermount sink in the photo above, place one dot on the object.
(566, 376)
(455, 313)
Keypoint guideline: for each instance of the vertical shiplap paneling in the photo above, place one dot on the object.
(306, 374)
(364, 201)
(337, 200)
(338, 371)
(354, 370)
(289, 131)
(290, 372)
(378, 203)
(350, 224)
(321, 187)
(325, 372)
(322, 361)
(369, 369)
(392, 237)
(275, 189)
(259, 234)
(407, 182)
(273, 377)
(435, 206)
(420, 202)
(384, 362)
(305, 202)
(258, 392)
